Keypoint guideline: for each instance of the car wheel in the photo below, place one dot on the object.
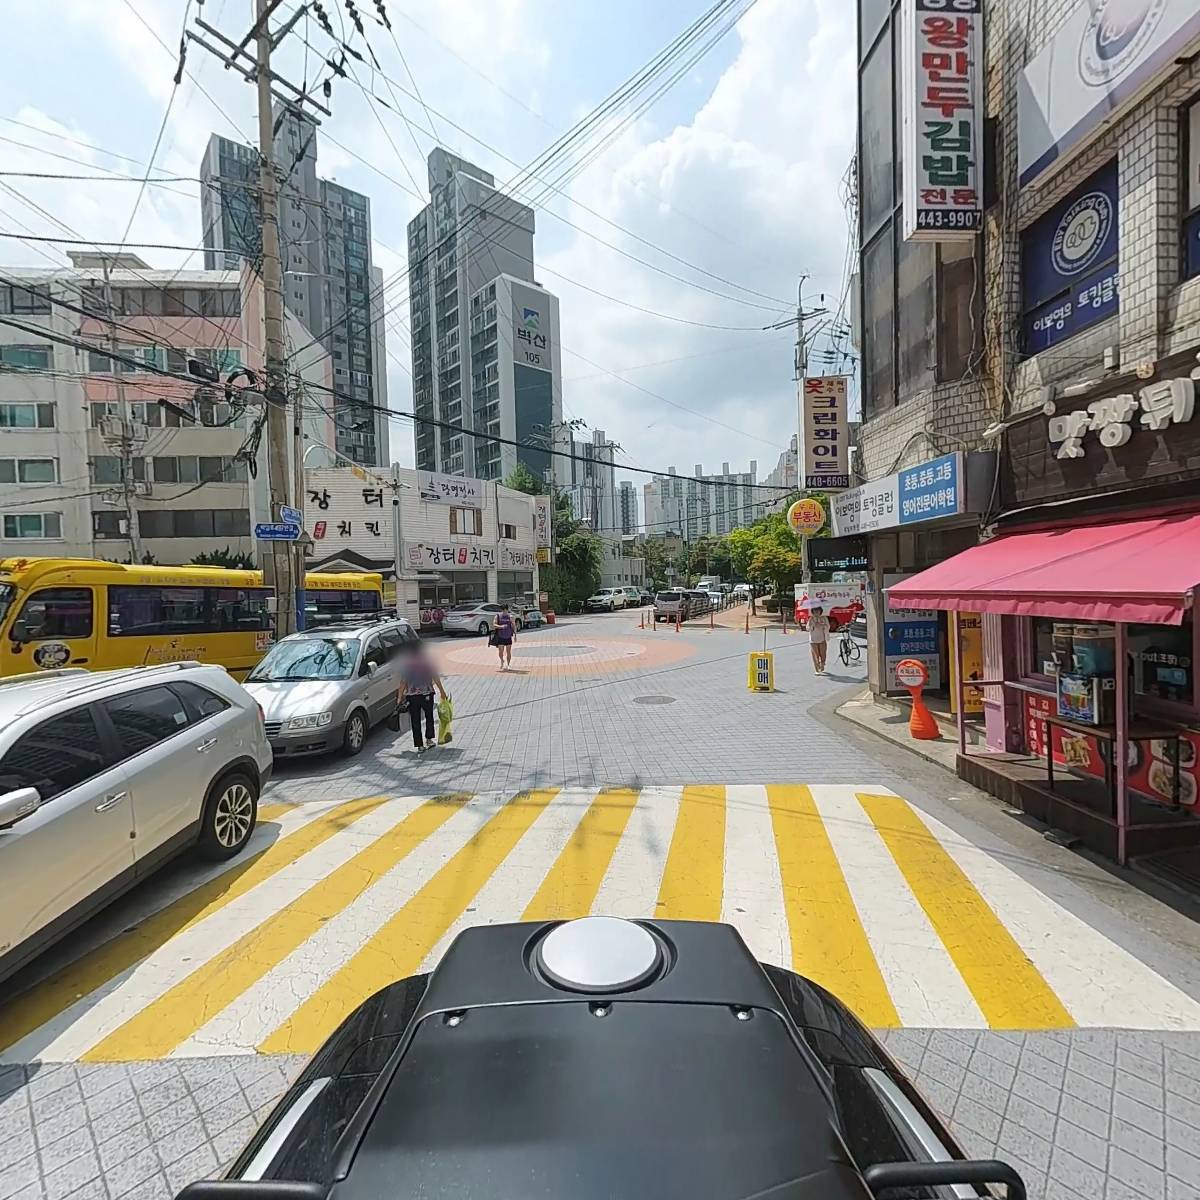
(356, 732)
(230, 814)
(484, 629)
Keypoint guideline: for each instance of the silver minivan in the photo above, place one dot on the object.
(104, 775)
(325, 689)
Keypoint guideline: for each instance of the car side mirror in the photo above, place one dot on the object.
(372, 668)
(19, 631)
(17, 805)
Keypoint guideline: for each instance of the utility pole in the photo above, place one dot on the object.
(125, 443)
(280, 566)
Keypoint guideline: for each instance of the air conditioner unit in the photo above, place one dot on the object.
(113, 429)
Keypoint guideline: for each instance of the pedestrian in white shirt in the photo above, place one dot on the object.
(818, 637)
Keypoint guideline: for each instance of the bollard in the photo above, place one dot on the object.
(747, 620)
(711, 622)
(912, 674)
(642, 623)
(678, 621)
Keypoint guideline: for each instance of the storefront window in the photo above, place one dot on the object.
(1041, 641)
(1163, 665)
(1191, 190)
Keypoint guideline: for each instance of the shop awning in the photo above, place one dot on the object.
(1133, 571)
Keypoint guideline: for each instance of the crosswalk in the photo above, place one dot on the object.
(904, 919)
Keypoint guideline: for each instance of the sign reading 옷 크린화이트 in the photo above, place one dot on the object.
(942, 88)
(1104, 55)
(824, 433)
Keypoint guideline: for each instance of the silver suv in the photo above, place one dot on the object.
(324, 689)
(104, 775)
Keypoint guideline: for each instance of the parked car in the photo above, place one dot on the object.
(699, 602)
(635, 596)
(742, 591)
(607, 599)
(671, 605)
(716, 598)
(858, 626)
(533, 618)
(474, 616)
(645, 597)
(104, 775)
(325, 688)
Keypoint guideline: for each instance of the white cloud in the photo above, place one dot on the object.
(748, 190)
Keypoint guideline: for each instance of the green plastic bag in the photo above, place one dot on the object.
(445, 714)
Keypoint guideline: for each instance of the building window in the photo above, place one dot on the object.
(28, 301)
(1069, 261)
(108, 525)
(26, 416)
(28, 470)
(43, 526)
(194, 523)
(191, 468)
(30, 357)
(106, 468)
(508, 532)
(466, 521)
(1191, 190)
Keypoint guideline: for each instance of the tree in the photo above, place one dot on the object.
(779, 566)
(710, 556)
(234, 560)
(578, 555)
(654, 554)
(522, 479)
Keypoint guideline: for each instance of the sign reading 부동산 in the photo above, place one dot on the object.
(942, 94)
(824, 433)
(1099, 60)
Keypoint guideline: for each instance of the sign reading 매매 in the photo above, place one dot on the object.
(942, 95)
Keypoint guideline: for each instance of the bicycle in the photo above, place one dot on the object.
(849, 651)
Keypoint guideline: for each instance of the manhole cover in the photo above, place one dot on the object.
(654, 699)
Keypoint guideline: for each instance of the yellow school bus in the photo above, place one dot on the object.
(79, 612)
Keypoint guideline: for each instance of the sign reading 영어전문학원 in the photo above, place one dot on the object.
(458, 490)
(941, 52)
(931, 490)
(824, 433)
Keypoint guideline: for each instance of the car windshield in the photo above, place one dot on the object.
(307, 658)
(667, 596)
(7, 594)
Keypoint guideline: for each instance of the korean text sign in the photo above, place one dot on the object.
(541, 521)
(1069, 261)
(864, 509)
(931, 490)
(942, 81)
(459, 490)
(825, 433)
(448, 556)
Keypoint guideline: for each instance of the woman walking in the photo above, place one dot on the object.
(503, 635)
(418, 678)
(818, 637)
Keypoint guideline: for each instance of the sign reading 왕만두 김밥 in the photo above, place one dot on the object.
(942, 93)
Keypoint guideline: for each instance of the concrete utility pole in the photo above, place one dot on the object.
(281, 570)
(125, 443)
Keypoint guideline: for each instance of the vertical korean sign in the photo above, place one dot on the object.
(825, 433)
(942, 75)
(542, 528)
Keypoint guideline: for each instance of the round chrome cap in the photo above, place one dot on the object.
(599, 954)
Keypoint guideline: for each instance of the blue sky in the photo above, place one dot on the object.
(735, 171)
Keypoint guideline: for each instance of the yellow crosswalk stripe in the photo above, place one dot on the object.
(401, 944)
(829, 944)
(1009, 990)
(570, 886)
(160, 1027)
(693, 878)
(104, 963)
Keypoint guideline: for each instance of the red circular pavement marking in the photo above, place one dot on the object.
(613, 655)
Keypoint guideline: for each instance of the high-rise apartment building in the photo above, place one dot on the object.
(485, 346)
(590, 480)
(627, 507)
(330, 283)
(706, 505)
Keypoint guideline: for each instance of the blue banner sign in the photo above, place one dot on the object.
(931, 490)
(906, 638)
(1069, 277)
(276, 532)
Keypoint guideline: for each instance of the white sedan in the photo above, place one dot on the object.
(607, 600)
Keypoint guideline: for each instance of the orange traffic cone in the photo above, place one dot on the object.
(921, 724)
